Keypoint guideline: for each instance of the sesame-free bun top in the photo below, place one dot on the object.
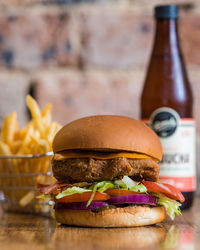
(108, 133)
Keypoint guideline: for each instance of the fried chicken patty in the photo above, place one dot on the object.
(93, 170)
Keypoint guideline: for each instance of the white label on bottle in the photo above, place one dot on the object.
(178, 165)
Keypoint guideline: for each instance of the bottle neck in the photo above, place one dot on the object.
(166, 37)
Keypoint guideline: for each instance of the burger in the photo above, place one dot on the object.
(108, 174)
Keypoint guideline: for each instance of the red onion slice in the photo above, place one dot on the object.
(136, 198)
(80, 205)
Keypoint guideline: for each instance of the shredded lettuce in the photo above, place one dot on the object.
(102, 186)
(106, 186)
(140, 188)
(126, 183)
(129, 184)
(91, 199)
(120, 184)
(70, 191)
(99, 187)
(172, 207)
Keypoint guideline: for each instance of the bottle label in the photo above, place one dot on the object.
(177, 136)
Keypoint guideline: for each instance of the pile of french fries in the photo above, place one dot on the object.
(20, 174)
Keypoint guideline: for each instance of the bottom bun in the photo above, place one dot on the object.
(116, 217)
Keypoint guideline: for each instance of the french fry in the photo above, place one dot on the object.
(26, 199)
(20, 134)
(4, 149)
(52, 130)
(46, 114)
(33, 107)
(36, 114)
(26, 140)
(14, 147)
(9, 128)
(34, 139)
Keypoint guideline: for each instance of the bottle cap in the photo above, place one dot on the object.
(166, 12)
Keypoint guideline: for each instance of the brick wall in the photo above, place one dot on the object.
(86, 57)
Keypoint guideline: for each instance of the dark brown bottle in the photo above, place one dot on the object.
(166, 103)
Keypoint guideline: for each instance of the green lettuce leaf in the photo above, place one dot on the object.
(120, 184)
(128, 184)
(106, 186)
(139, 188)
(70, 191)
(99, 187)
(172, 207)
(91, 199)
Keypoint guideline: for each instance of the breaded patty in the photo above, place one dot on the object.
(93, 170)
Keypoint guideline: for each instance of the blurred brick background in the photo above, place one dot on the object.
(85, 57)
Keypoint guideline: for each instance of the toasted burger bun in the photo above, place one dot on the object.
(117, 217)
(108, 133)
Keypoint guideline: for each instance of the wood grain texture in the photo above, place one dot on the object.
(22, 232)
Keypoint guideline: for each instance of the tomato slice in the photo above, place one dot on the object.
(83, 197)
(164, 188)
(119, 192)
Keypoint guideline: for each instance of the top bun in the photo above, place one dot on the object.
(108, 133)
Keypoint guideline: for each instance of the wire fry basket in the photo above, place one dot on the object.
(18, 178)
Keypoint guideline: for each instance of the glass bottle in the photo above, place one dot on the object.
(167, 102)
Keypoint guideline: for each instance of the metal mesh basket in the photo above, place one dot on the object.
(18, 177)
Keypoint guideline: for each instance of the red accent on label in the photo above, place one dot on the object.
(187, 119)
(184, 184)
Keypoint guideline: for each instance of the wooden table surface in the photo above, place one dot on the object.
(27, 232)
